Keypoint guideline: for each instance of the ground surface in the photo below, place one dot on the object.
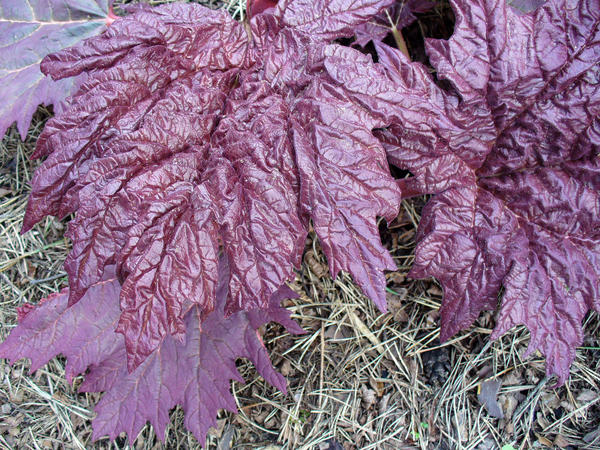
(357, 378)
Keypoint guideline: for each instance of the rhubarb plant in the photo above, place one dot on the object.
(197, 151)
(195, 136)
(511, 156)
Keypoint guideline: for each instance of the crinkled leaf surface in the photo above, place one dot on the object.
(512, 157)
(30, 30)
(190, 135)
(195, 374)
(327, 19)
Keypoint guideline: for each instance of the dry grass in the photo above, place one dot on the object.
(357, 378)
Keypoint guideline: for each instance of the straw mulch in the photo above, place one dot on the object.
(357, 378)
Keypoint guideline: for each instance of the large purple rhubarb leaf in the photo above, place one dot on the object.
(30, 30)
(189, 136)
(195, 374)
(512, 158)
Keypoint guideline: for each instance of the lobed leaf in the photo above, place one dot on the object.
(189, 136)
(195, 374)
(511, 156)
(30, 30)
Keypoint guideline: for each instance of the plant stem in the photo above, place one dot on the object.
(400, 43)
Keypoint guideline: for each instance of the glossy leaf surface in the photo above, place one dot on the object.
(512, 158)
(190, 135)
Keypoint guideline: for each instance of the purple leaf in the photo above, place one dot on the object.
(345, 185)
(30, 30)
(255, 7)
(188, 137)
(195, 374)
(512, 158)
(327, 19)
(84, 334)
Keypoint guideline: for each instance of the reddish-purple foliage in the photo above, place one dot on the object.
(255, 7)
(194, 136)
(195, 374)
(512, 156)
(30, 30)
(191, 134)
